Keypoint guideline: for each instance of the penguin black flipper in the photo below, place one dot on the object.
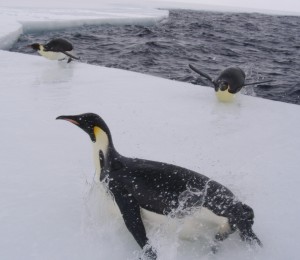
(258, 82)
(131, 214)
(238, 88)
(70, 55)
(130, 211)
(201, 73)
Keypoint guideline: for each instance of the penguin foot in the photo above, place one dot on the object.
(250, 238)
(149, 254)
(219, 237)
(215, 248)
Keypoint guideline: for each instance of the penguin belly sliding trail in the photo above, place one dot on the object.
(138, 184)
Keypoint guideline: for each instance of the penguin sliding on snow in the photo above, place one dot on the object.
(139, 185)
(56, 49)
(229, 82)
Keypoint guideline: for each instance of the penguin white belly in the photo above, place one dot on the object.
(52, 55)
(225, 96)
(202, 222)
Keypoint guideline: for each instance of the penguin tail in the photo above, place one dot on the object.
(251, 238)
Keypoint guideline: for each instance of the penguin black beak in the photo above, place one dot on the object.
(69, 118)
(84, 124)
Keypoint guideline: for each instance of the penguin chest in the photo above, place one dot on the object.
(52, 55)
(224, 96)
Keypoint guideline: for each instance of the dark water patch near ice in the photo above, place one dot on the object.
(264, 46)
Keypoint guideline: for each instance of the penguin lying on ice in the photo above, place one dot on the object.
(141, 185)
(228, 83)
(56, 49)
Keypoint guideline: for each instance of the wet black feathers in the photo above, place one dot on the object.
(158, 186)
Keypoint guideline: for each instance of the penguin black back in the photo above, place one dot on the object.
(58, 45)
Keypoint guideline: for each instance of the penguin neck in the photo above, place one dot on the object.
(103, 151)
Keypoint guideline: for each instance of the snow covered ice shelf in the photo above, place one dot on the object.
(46, 166)
(50, 208)
(17, 20)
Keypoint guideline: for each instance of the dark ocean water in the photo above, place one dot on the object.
(264, 46)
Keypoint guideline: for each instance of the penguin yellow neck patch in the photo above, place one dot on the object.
(99, 133)
(225, 96)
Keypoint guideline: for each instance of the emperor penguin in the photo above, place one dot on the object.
(138, 185)
(228, 83)
(56, 49)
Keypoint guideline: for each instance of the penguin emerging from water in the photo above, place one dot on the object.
(228, 83)
(138, 185)
(56, 49)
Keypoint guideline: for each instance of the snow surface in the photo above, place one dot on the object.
(50, 206)
(19, 20)
(266, 6)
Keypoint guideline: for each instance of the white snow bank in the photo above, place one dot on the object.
(17, 20)
(9, 33)
(266, 6)
(51, 210)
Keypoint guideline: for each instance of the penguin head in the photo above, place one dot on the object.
(221, 85)
(91, 123)
(35, 46)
